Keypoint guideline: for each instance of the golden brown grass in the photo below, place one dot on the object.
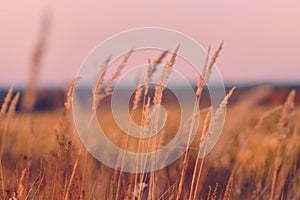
(57, 166)
(257, 156)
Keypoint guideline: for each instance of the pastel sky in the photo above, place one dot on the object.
(262, 38)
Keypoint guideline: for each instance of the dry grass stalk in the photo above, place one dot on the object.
(239, 158)
(71, 178)
(157, 184)
(146, 113)
(183, 173)
(120, 173)
(147, 101)
(212, 62)
(204, 70)
(173, 57)
(98, 88)
(148, 77)
(13, 105)
(160, 86)
(215, 117)
(228, 191)
(20, 190)
(10, 112)
(202, 77)
(205, 128)
(6, 101)
(29, 96)
(98, 96)
(140, 187)
(98, 93)
(159, 60)
(214, 195)
(109, 85)
(138, 95)
(136, 101)
(146, 105)
(68, 103)
(66, 154)
(209, 193)
(151, 69)
(207, 69)
(112, 184)
(128, 194)
(267, 115)
(276, 165)
(203, 133)
(144, 122)
(42, 172)
(286, 115)
(220, 110)
(169, 190)
(283, 127)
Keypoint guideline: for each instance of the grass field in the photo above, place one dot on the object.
(257, 156)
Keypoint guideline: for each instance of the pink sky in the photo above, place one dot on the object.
(262, 38)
